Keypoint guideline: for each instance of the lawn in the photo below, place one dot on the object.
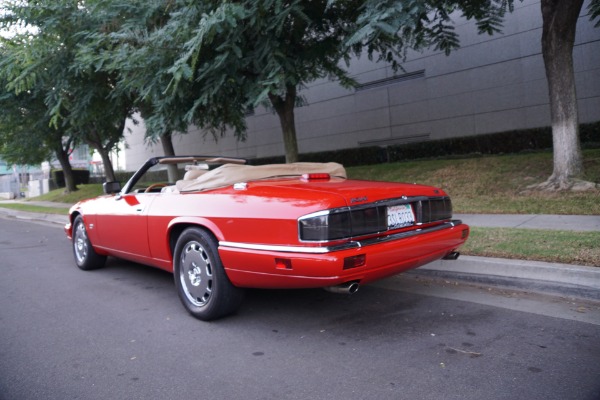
(494, 184)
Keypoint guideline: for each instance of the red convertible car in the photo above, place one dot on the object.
(227, 226)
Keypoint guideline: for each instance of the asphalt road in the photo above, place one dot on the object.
(121, 333)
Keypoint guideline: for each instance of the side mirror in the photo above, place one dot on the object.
(111, 187)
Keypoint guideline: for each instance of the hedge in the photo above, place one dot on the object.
(496, 143)
(80, 176)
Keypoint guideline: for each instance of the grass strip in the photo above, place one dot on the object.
(569, 247)
(34, 208)
(84, 192)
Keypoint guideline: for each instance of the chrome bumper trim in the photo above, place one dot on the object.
(344, 246)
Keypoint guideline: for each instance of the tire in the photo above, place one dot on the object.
(85, 256)
(201, 282)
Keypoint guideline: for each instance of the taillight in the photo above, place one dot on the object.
(341, 224)
(325, 226)
(316, 177)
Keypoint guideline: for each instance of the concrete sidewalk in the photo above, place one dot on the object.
(549, 278)
(588, 223)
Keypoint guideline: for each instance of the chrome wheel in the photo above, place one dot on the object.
(85, 256)
(196, 274)
(80, 243)
(202, 284)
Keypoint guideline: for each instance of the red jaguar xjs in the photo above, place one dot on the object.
(227, 226)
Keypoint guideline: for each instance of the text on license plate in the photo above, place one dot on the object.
(400, 216)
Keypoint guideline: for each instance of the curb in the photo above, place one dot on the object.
(542, 277)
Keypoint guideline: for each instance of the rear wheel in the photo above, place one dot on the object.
(202, 285)
(85, 256)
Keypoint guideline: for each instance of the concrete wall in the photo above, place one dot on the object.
(491, 84)
(38, 187)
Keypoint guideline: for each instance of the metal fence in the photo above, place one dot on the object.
(9, 184)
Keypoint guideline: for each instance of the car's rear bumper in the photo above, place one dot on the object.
(306, 267)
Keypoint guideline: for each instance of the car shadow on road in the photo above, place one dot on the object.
(288, 304)
(370, 311)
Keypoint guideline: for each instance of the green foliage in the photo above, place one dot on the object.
(25, 136)
(43, 63)
(141, 44)
(389, 28)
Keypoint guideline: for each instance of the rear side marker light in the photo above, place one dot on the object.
(355, 261)
(283, 263)
(315, 177)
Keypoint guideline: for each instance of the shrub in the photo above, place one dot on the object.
(495, 143)
(80, 176)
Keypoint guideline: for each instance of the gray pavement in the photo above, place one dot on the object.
(550, 278)
(533, 221)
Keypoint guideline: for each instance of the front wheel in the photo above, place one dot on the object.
(201, 282)
(85, 256)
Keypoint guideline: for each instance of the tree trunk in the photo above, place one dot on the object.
(63, 158)
(558, 37)
(109, 172)
(285, 111)
(166, 140)
(95, 141)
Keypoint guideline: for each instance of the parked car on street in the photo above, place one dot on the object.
(227, 226)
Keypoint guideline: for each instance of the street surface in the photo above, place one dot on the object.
(121, 333)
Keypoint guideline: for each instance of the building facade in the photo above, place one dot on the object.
(491, 84)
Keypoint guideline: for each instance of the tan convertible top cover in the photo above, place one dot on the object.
(230, 174)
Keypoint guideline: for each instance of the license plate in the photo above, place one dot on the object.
(400, 216)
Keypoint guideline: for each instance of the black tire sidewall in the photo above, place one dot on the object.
(225, 298)
(92, 260)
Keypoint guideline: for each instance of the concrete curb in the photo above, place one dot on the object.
(553, 278)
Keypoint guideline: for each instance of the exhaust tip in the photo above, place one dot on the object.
(353, 287)
(451, 256)
(344, 288)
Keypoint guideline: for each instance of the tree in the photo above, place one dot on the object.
(27, 137)
(18, 121)
(140, 43)
(261, 52)
(80, 102)
(25, 129)
(114, 49)
(390, 27)
(270, 48)
(558, 38)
